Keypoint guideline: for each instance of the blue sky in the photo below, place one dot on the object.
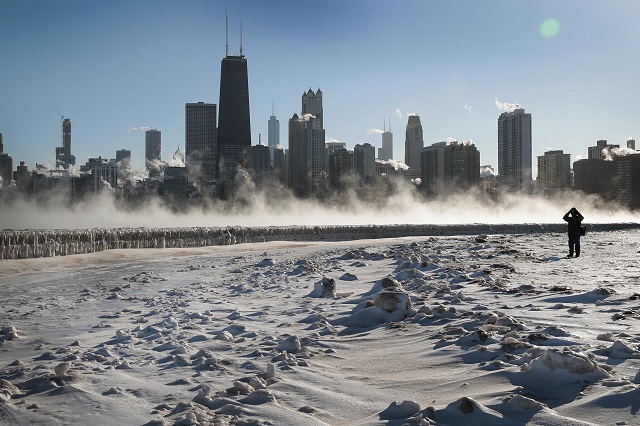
(114, 65)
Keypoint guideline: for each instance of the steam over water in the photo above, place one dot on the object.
(100, 223)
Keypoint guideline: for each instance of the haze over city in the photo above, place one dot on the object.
(116, 66)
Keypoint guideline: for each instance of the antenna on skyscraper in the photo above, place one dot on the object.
(273, 108)
(226, 30)
(241, 39)
(384, 126)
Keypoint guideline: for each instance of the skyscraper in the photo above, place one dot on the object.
(6, 166)
(449, 168)
(413, 145)
(260, 163)
(234, 123)
(554, 170)
(307, 161)
(152, 147)
(63, 153)
(273, 138)
(386, 152)
(514, 151)
(200, 141)
(365, 160)
(312, 104)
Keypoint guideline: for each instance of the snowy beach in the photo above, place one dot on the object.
(495, 329)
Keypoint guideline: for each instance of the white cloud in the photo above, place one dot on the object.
(467, 106)
(397, 113)
(373, 131)
(139, 129)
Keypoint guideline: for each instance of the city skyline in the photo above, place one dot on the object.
(115, 66)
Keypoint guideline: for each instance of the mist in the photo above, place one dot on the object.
(277, 207)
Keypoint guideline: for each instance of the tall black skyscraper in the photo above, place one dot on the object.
(234, 123)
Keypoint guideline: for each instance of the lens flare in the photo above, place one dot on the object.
(549, 28)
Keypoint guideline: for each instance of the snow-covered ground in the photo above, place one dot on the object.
(491, 330)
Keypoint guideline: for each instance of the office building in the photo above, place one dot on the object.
(554, 171)
(365, 160)
(200, 142)
(123, 155)
(175, 182)
(307, 155)
(514, 151)
(631, 144)
(64, 157)
(22, 177)
(628, 180)
(6, 165)
(152, 148)
(342, 170)
(386, 152)
(234, 123)
(593, 176)
(332, 146)
(602, 150)
(273, 138)
(452, 167)
(414, 142)
(260, 163)
(312, 104)
(279, 165)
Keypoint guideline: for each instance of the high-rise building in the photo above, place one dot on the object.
(175, 183)
(22, 177)
(602, 150)
(386, 152)
(273, 138)
(63, 153)
(593, 176)
(514, 151)
(123, 155)
(152, 147)
(628, 179)
(279, 165)
(312, 104)
(446, 168)
(365, 160)
(341, 168)
(6, 166)
(554, 170)
(260, 163)
(432, 165)
(234, 123)
(332, 146)
(307, 160)
(414, 142)
(200, 141)
(631, 144)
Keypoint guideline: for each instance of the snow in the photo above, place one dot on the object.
(486, 328)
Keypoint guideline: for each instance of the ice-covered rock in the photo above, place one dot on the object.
(402, 410)
(326, 287)
(291, 344)
(392, 300)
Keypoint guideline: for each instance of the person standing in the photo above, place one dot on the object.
(574, 220)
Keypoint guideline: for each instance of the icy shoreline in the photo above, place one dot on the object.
(26, 244)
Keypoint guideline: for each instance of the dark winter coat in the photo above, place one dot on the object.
(573, 222)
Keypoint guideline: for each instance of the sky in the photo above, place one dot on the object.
(113, 66)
